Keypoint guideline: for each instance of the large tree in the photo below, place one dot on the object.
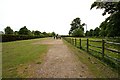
(76, 24)
(8, 30)
(24, 31)
(111, 25)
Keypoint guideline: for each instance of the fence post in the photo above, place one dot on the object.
(103, 45)
(80, 44)
(75, 41)
(87, 45)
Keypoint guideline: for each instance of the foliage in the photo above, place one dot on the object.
(90, 33)
(37, 32)
(8, 30)
(76, 24)
(53, 34)
(45, 34)
(109, 7)
(96, 31)
(7, 38)
(111, 24)
(16, 33)
(23, 34)
(78, 33)
(24, 31)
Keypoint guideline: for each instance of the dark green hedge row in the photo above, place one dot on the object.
(7, 38)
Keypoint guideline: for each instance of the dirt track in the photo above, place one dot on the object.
(60, 62)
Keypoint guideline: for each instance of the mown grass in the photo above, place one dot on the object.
(20, 52)
(98, 68)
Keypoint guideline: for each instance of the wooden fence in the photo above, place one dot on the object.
(75, 41)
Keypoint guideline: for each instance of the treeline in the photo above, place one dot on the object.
(23, 34)
(94, 33)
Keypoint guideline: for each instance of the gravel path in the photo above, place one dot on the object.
(60, 62)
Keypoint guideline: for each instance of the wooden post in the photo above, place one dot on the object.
(103, 45)
(80, 44)
(87, 45)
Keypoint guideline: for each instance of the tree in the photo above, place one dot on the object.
(16, 32)
(78, 33)
(90, 33)
(24, 31)
(103, 32)
(111, 24)
(8, 30)
(53, 34)
(109, 7)
(37, 32)
(45, 34)
(76, 24)
(86, 34)
(96, 31)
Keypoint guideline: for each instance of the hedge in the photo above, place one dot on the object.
(7, 38)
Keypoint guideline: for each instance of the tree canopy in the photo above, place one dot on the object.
(8, 30)
(111, 26)
(24, 31)
(76, 27)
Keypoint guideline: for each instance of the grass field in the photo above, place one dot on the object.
(20, 52)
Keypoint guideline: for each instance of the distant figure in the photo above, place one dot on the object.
(54, 37)
(58, 37)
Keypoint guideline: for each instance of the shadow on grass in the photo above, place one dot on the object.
(109, 62)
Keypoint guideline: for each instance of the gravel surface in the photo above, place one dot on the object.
(59, 62)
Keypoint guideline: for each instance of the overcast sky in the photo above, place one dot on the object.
(48, 15)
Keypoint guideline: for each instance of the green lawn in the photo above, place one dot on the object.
(20, 52)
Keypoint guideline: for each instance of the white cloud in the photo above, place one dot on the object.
(47, 15)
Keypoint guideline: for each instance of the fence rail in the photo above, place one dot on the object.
(112, 43)
(95, 46)
(113, 50)
(102, 47)
(95, 41)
